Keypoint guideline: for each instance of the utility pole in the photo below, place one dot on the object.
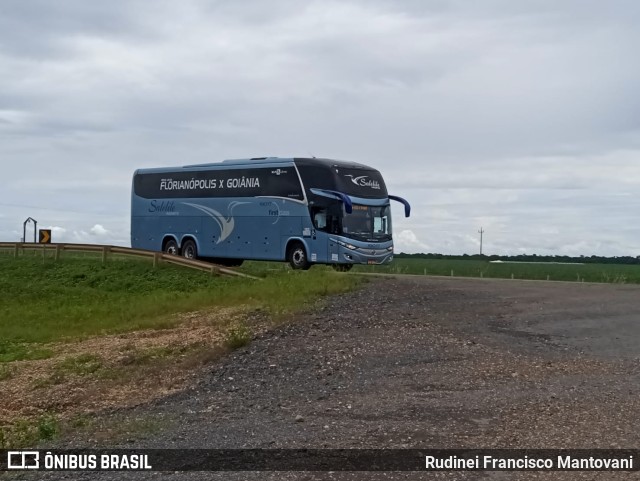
(481, 231)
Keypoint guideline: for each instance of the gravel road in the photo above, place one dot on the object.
(427, 363)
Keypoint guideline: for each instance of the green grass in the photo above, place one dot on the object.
(81, 365)
(6, 372)
(237, 335)
(45, 300)
(29, 432)
(138, 357)
(611, 273)
(91, 366)
(115, 429)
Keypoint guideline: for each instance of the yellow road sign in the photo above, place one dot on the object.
(45, 236)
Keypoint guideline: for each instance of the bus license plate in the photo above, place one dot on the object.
(371, 262)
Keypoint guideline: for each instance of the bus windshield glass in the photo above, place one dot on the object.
(367, 223)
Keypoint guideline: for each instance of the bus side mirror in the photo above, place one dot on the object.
(407, 207)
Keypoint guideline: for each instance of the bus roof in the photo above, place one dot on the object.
(264, 161)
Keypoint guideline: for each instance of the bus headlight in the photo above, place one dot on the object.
(390, 248)
(348, 246)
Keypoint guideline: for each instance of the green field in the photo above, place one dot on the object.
(45, 300)
(475, 268)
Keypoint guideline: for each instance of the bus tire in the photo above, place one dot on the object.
(342, 267)
(297, 256)
(189, 249)
(171, 247)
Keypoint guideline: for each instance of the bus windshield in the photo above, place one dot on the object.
(367, 223)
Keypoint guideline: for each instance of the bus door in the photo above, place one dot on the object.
(326, 222)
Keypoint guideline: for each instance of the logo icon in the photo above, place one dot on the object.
(23, 460)
(364, 181)
(226, 224)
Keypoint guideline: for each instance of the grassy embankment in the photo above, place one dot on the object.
(77, 335)
(612, 273)
(49, 301)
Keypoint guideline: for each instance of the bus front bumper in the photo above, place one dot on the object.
(365, 256)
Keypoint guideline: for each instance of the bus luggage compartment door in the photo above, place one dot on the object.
(334, 251)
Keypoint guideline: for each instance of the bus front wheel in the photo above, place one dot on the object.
(297, 257)
(189, 249)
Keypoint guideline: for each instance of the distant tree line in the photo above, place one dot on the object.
(528, 258)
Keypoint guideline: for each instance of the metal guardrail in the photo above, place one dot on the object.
(105, 250)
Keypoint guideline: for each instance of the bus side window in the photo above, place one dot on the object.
(326, 220)
(333, 224)
(320, 220)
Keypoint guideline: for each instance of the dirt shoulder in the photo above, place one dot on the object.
(422, 363)
(110, 372)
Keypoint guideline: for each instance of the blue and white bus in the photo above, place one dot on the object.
(304, 211)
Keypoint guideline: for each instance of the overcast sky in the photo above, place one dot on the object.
(521, 117)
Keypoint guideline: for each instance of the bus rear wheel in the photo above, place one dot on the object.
(297, 257)
(342, 267)
(189, 249)
(171, 247)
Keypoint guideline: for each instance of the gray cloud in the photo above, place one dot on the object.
(521, 116)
